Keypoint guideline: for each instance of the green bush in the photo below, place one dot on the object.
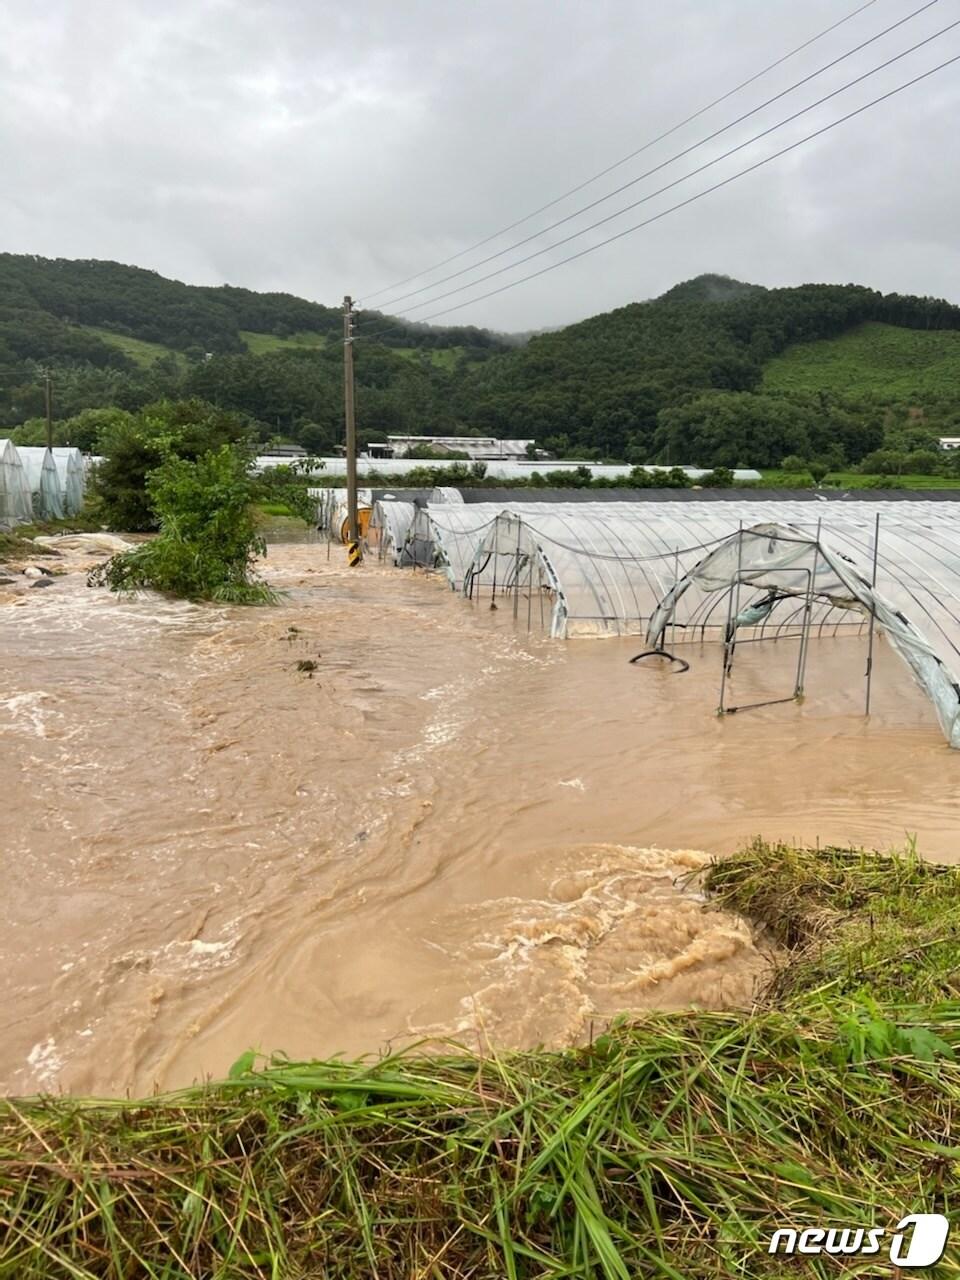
(718, 478)
(208, 540)
(286, 488)
(793, 464)
(923, 462)
(134, 446)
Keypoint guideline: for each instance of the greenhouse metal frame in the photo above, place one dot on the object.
(605, 569)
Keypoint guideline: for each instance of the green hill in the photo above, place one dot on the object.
(872, 359)
(716, 371)
(141, 353)
(58, 308)
(683, 378)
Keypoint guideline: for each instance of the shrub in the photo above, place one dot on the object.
(718, 478)
(135, 446)
(286, 488)
(793, 464)
(207, 542)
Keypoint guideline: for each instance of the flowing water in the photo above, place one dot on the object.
(378, 812)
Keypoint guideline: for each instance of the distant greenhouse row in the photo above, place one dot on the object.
(38, 483)
(501, 469)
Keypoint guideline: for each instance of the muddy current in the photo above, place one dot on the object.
(376, 813)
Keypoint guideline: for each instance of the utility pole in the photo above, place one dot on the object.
(351, 424)
(48, 404)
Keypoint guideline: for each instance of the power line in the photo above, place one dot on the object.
(663, 165)
(633, 154)
(697, 196)
(677, 181)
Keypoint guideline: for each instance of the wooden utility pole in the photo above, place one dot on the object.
(350, 421)
(48, 404)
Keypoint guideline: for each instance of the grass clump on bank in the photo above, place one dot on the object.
(672, 1147)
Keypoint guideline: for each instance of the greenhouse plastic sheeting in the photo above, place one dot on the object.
(390, 530)
(333, 512)
(784, 563)
(16, 504)
(69, 464)
(498, 468)
(609, 565)
(44, 481)
(456, 531)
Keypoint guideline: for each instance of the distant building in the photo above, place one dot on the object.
(950, 442)
(283, 451)
(477, 448)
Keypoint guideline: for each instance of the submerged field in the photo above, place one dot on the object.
(672, 1146)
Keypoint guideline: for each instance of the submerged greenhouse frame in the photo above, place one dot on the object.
(620, 569)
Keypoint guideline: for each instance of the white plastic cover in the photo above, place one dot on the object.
(16, 504)
(613, 562)
(69, 463)
(389, 531)
(498, 468)
(783, 562)
(332, 511)
(44, 481)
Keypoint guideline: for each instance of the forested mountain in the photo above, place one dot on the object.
(46, 304)
(715, 372)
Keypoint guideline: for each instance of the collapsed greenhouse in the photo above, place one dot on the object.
(676, 571)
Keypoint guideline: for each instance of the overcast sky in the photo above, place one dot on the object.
(325, 148)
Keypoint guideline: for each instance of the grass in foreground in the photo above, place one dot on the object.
(671, 1147)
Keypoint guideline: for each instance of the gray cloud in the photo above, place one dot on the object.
(322, 149)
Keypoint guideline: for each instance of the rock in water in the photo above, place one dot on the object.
(42, 582)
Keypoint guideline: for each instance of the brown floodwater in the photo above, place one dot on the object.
(446, 828)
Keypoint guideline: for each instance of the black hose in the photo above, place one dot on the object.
(662, 653)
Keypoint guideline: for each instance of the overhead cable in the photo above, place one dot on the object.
(398, 284)
(657, 168)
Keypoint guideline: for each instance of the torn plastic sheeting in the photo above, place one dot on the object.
(785, 559)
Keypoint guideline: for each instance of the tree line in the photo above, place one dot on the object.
(676, 380)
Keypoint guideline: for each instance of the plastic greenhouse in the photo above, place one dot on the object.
(70, 470)
(16, 505)
(809, 575)
(44, 481)
(333, 514)
(635, 568)
(389, 530)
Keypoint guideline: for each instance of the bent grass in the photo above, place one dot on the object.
(672, 1146)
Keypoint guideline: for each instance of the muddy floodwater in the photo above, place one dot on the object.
(377, 812)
